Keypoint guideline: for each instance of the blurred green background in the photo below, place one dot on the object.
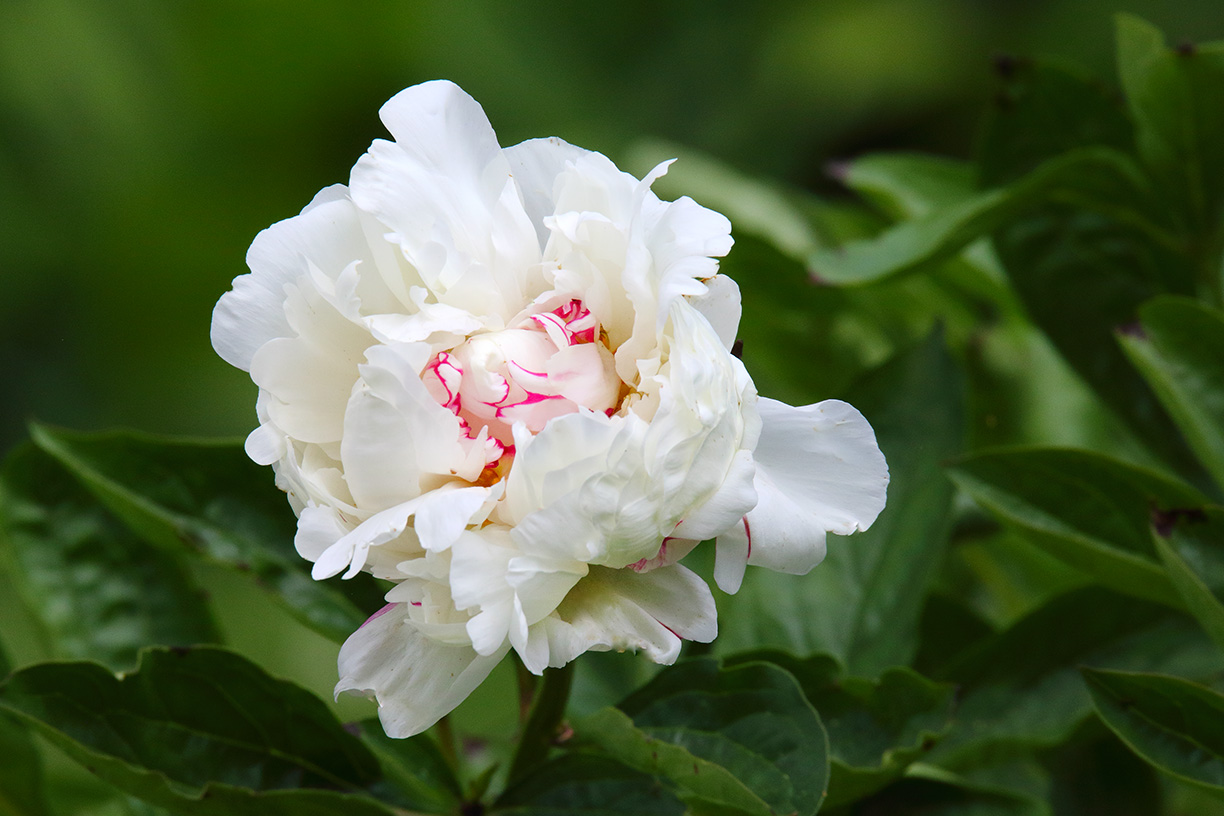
(144, 143)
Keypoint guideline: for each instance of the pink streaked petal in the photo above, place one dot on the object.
(555, 328)
(536, 410)
(382, 612)
(527, 378)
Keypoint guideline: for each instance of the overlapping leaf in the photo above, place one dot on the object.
(98, 590)
(199, 731)
(1088, 510)
(1181, 540)
(1176, 98)
(1021, 688)
(739, 740)
(1175, 724)
(588, 785)
(877, 728)
(1180, 351)
(208, 497)
(21, 771)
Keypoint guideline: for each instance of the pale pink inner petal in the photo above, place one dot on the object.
(550, 365)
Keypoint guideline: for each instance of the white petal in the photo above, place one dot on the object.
(818, 470)
(318, 528)
(445, 190)
(415, 679)
(396, 435)
(621, 609)
(721, 307)
(447, 513)
(726, 507)
(265, 445)
(536, 164)
(326, 234)
(731, 557)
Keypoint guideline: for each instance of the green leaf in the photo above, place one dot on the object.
(199, 731)
(98, 590)
(1095, 773)
(416, 775)
(940, 793)
(1041, 110)
(1193, 534)
(1088, 510)
(21, 776)
(587, 784)
(1176, 98)
(864, 602)
(1096, 177)
(1176, 725)
(1021, 689)
(876, 728)
(1081, 275)
(208, 497)
(909, 185)
(1180, 352)
(741, 740)
(707, 782)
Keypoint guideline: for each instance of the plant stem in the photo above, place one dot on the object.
(552, 694)
(446, 744)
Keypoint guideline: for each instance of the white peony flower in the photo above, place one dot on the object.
(501, 379)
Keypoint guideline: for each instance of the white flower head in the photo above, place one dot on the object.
(501, 379)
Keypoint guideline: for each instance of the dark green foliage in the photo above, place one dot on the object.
(97, 589)
(210, 499)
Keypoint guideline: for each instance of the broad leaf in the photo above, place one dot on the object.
(742, 739)
(876, 728)
(1180, 352)
(1021, 689)
(199, 731)
(1082, 274)
(909, 185)
(99, 591)
(587, 784)
(1042, 110)
(1176, 98)
(864, 602)
(416, 775)
(1174, 724)
(1095, 177)
(1095, 773)
(21, 792)
(1088, 510)
(1181, 535)
(208, 497)
(933, 791)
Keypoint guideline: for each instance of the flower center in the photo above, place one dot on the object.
(547, 366)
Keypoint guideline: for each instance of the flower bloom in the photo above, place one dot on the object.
(501, 379)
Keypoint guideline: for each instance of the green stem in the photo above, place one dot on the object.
(446, 744)
(552, 694)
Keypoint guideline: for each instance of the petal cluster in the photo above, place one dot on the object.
(501, 379)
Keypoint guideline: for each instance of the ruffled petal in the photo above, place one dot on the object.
(416, 680)
(536, 164)
(625, 610)
(445, 190)
(326, 234)
(720, 305)
(441, 515)
(818, 470)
